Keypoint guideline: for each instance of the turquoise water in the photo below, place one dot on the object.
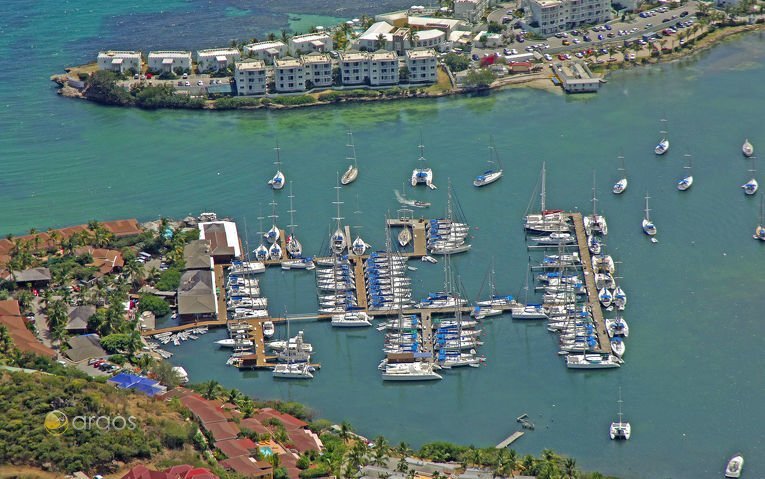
(693, 381)
(266, 451)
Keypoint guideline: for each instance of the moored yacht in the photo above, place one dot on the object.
(351, 319)
(620, 429)
(417, 371)
(621, 185)
(747, 148)
(277, 181)
(663, 145)
(734, 466)
(493, 173)
(293, 371)
(422, 174)
(648, 227)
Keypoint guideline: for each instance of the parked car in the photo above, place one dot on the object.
(180, 83)
(548, 57)
(136, 76)
(586, 38)
(600, 36)
(187, 83)
(475, 57)
(608, 27)
(684, 14)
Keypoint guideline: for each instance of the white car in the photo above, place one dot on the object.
(188, 83)
(200, 83)
(548, 57)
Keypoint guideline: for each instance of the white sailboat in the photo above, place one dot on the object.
(648, 227)
(274, 234)
(751, 186)
(338, 241)
(352, 172)
(759, 231)
(620, 298)
(293, 369)
(621, 185)
(734, 466)
(358, 247)
(618, 346)
(663, 145)
(747, 148)
(278, 180)
(605, 297)
(495, 168)
(352, 319)
(526, 310)
(294, 247)
(595, 223)
(620, 429)
(404, 236)
(546, 221)
(687, 181)
(422, 174)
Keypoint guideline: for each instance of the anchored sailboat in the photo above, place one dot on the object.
(620, 429)
(621, 185)
(495, 168)
(294, 248)
(273, 235)
(747, 148)
(261, 252)
(352, 172)
(687, 181)
(648, 227)
(663, 145)
(759, 232)
(277, 182)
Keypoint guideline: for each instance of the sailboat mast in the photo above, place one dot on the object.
(422, 149)
(620, 406)
(594, 196)
(337, 202)
(292, 224)
(543, 193)
(278, 161)
(352, 148)
(647, 215)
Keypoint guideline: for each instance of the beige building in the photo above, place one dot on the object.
(318, 69)
(167, 61)
(384, 36)
(422, 66)
(353, 68)
(217, 59)
(250, 76)
(382, 68)
(289, 75)
(311, 42)
(119, 61)
(553, 16)
(470, 10)
(266, 51)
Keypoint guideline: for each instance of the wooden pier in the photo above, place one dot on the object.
(283, 244)
(361, 285)
(604, 344)
(419, 242)
(510, 439)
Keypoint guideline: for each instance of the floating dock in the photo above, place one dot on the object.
(510, 439)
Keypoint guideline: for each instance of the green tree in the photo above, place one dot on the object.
(479, 78)
(163, 371)
(456, 63)
(102, 87)
(153, 303)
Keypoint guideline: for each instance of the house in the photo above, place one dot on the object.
(318, 69)
(250, 76)
(196, 255)
(23, 339)
(382, 68)
(169, 61)
(236, 447)
(470, 10)
(78, 318)
(266, 51)
(576, 77)
(422, 66)
(553, 16)
(216, 59)
(249, 467)
(289, 421)
(446, 25)
(311, 42)
(37, 277)
(224, 240)
(222, 431)
(119, 61)
(370, 39)
(183, 471)
(520, 67)
(289, 75)
(353, 68)
(106, 260)
(83, 347)
(197, 296)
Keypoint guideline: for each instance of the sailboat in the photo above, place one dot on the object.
(526, 310)
(404, 236)
(261, 252)
(621, 185)
(491, 175)
(358, 247)
(338, 241)
(734, 466)
(275, 252)
(352, 172)
(494, 299)
(687, 181)
(595, 223)
(294, 248)
(663, 144)
(546, 221)
(277, 182)
(620, 429)
(273, 235)
(648, 227)
(747, 148)
(759, 232)
(448, 235)
(751, 186)
(292, 369)
(422, 174)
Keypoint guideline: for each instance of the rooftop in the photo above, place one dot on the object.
(218, 51)
(251, 65)
(22, 337)
(353, 56)
(419, 54)
(120, 53)
(316, 57)
(196, 255)
(79, 316)
(32, 274)
(195, 293)
(310, 37)
(85, 347)
(223, 236)
(264, 45)
(383, 55)
(166, 53)
(287, 62)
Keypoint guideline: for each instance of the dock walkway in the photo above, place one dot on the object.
(510, 439)
(604, 345)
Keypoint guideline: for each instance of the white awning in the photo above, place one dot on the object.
(117, 61)
(221, 58)
(167, 61)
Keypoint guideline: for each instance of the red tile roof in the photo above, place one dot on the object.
(253, 425)
(205, 411)
(248, 467)
(302, 440)
(290, 422)
(223, 430)
(290, 464)
(24, 340)
(236, 447)
(142, 472)
(183, 471)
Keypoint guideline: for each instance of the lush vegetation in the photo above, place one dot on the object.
(290, 100)
(232, 103)
(456, 63)
(153, 303)
(102, 87)
(479, 78)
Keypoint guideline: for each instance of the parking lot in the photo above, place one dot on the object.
(195, 84)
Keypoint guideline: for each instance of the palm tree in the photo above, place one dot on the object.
(569, 465)
(381, 42)
(233, 396)
(134, 342)
(345, 431)
(402, 466)
(412, 36)
(211, 390)
(382, 450)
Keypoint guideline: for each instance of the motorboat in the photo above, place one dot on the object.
(734, 466)
(618, 346)
(663, 145)
(351, 319)
(747, 148)
(268, 329)
(233, 342)
(352, 172)
(404, 236)
(247, 267)
(417, 371)
(299, 263)
(492, 174)
(293, 371)
(555, 239)
(592, 361)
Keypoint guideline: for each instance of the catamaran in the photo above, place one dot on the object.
(422, 174)
(620, 429)
(687, 181)
(621, 185)
(351, 319)
(751, 186)
(495, 168)
(277, 182)
(592, 361)
(648, 227)
(595, 223)
(415, 371)
(747, 148)
(663, 145)
(352, 172)
(617, 327)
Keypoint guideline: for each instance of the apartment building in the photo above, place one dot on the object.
(217, 59)
(289, 75)
(168, 61)
(311, 42)
(250, 76)
(119, 61)
(552, 16)
(422, 66)
(266, 51)
(318, 69)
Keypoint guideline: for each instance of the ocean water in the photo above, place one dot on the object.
(693, 382)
